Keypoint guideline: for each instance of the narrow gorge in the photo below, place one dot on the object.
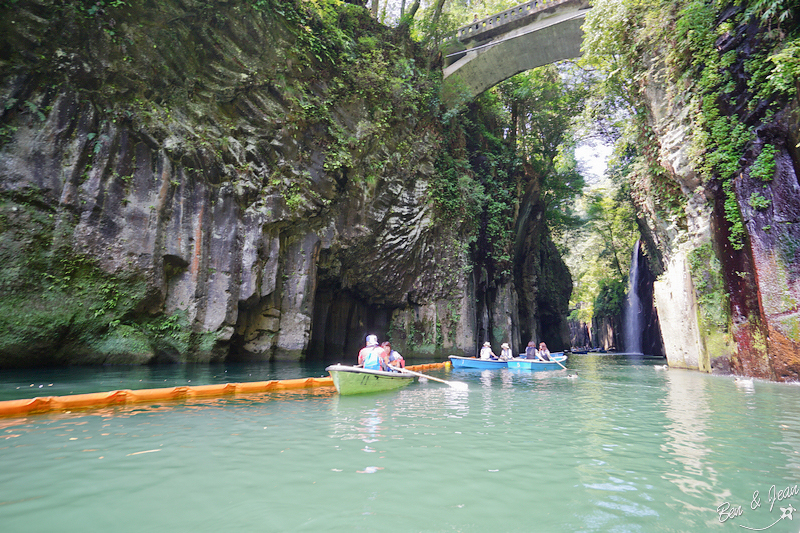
(258, 180)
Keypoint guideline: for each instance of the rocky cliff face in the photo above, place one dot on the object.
(187, 180)
(703, 272)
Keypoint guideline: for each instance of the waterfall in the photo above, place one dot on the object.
(633, 317)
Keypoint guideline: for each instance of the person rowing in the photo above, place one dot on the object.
(394, 358)
(372, 356)
(543, 353)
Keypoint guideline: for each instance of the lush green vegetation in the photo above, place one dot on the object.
(728, 96)
(492, 149)
(513, 136)
(51, 291)
(528, 128)
(521, 133)
(543, 104)
(712, 298)
(600, 251)
(692, 37)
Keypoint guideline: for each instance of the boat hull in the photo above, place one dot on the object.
(350, 380)
(535, 364)
(471, 362)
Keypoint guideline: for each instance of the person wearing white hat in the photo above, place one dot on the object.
(505, 352)
(486, 351)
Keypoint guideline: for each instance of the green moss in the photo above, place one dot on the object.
(204, 343)
(57, 303)
(717, 343)
(425, 349)
(713, 308)
(412, 337)
(712, 300)
(124, 345)
(790, 327)
(764, 166)
(757, 201)
(759, 342)
(734, 216)
(693, 37)
(452, 318)
(788, 248)
(499, 334)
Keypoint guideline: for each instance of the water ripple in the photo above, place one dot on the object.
(623, 448)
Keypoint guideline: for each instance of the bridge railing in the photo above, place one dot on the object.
(477, 27)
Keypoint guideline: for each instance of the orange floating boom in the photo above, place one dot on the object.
(45, 404)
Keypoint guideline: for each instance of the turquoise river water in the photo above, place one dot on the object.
(623, 448)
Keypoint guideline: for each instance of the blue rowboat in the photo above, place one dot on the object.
(536, 364)
(474, 362)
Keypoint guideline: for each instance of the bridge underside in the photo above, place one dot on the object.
(546, 41)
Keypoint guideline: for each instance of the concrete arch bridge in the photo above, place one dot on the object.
(529, 35)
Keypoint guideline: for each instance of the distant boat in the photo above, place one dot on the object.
(357, 380)
(537, 364)
(474, 362)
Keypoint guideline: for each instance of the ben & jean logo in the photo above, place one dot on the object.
(726, 511)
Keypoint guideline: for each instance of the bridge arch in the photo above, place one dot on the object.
(527, 36)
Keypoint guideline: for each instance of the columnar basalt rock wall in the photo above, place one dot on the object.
(179, 182)
(169, 145)
(606, 332)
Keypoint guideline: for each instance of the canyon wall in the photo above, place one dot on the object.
(191, 181)
(726, 301)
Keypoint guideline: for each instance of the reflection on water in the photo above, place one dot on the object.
(686, 406)
(622, 448)
(371, 426)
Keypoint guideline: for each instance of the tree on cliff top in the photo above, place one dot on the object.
(542, 104)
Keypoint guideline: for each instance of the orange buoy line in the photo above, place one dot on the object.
(45, 404)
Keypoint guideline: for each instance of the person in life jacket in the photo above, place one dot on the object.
(372, 356)
(530, 350)
(393, 356)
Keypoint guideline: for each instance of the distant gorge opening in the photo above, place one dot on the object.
(340, 324)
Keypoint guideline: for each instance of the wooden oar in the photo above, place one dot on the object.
(565, 368)
(454, 384)
(558, 363)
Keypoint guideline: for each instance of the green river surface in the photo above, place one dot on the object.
(624, 448)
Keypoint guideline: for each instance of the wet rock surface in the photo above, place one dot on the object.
(178, 184)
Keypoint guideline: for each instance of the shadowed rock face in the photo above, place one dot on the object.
(545, 284)
(179, 183)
